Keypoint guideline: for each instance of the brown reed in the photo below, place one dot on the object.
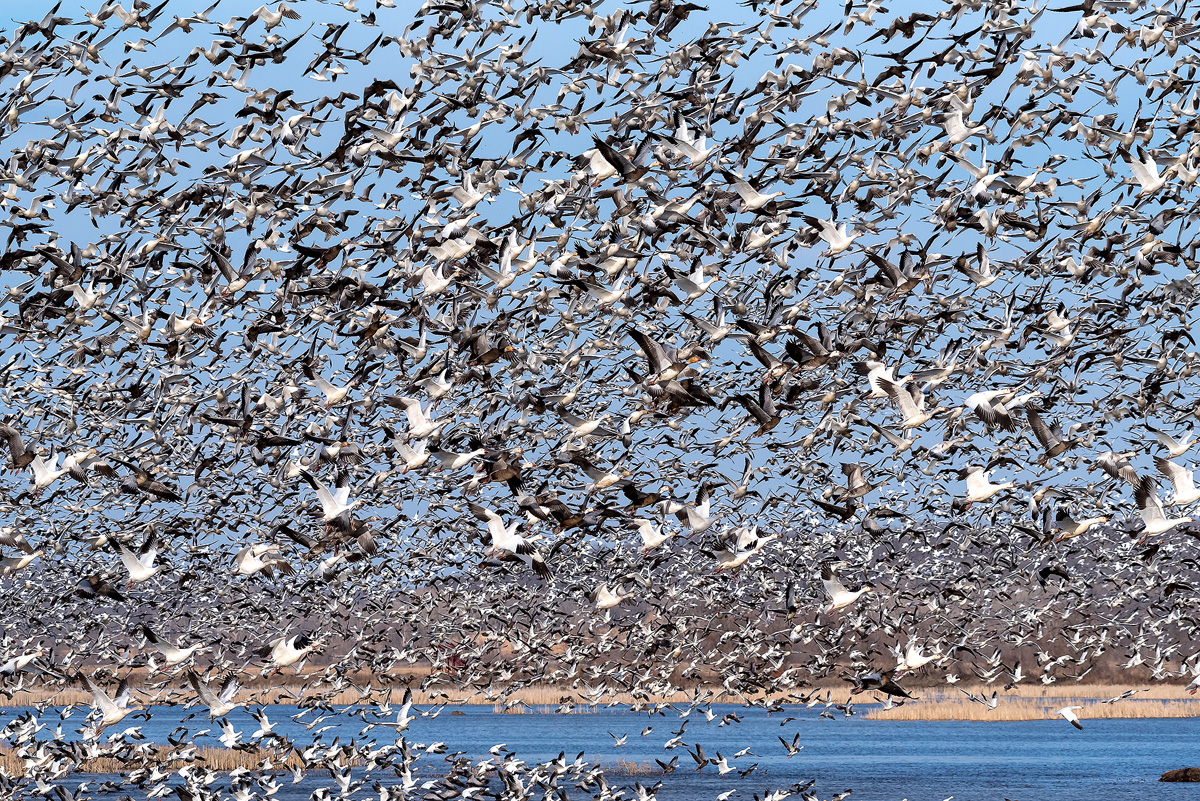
(221, 760)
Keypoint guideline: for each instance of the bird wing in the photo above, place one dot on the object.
(101, 698)
(829, 578)
(328, 502)
(1180, 476)
(206, 695)
(229, 688)
(129, 558)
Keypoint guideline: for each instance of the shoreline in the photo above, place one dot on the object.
(930, 703)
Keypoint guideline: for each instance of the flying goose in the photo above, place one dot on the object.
(1145, 493)
(221, 702)
(605, 598)
(652, 535)
(665, 362)
(11, 564)
(839, 596)
(505, 539)
(260, 557)
(740, 545)
(21, 661)
(1069, 527)
(172, 655)
(913, 659)
(879, 681)
(1184, 488)
(112, 710)
(1175, 448)
(335, 506)
(1049, 437)
(1068, 713)
(20, 455)
(420, 421)
(45, 474)
(911, 404)
(1145, 171)
(140, 565)
(988, 406)
(856, 483)
(752, 199)
(333, 394)
(285, 650)
(979, 488)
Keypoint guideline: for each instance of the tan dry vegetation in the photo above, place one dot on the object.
(218, 759)
(286, 693)
(1038, 702)
(942, 702)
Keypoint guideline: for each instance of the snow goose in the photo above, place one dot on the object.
(697, 517)
(333, 394)
(604, 598)
(14, 539)
(45, 474)
(1068, 712)
(265, 727)
(21, 661)
(989, 407)
(979, 487)
(420, 422)
(693, 283)
(505, 539)
(452, 460)
(581, 427)
(404, 715)
(913, 659)
(335, 506)
(260, 557)
(112, 710)
(982, 276)
(1145, 171)
(742, 543)
(601, 479)
(1145, 492)
(1048, 436)
(11, 564)
(652, 535)
(910, 403)
(415, 455)
(839, 596)
(77, 465)
(1184, 488)
(221, 702)
(876, 373)
(1175, 448)
(286, 650)
(956, 126)
(21, 456)
(1069, 527)
(140, 565)
(752, 199)
(172, 655)
(836, 236)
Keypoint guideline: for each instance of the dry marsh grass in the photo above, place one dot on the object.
(940, 702)
(1037, 703)
(218, 759)
(538, 698)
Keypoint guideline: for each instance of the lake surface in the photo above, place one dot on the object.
(876, 759)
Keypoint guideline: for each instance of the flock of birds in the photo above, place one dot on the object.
(622, 350)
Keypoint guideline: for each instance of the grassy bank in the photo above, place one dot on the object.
(1040, 702)
(224, 760)
(940, 702)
